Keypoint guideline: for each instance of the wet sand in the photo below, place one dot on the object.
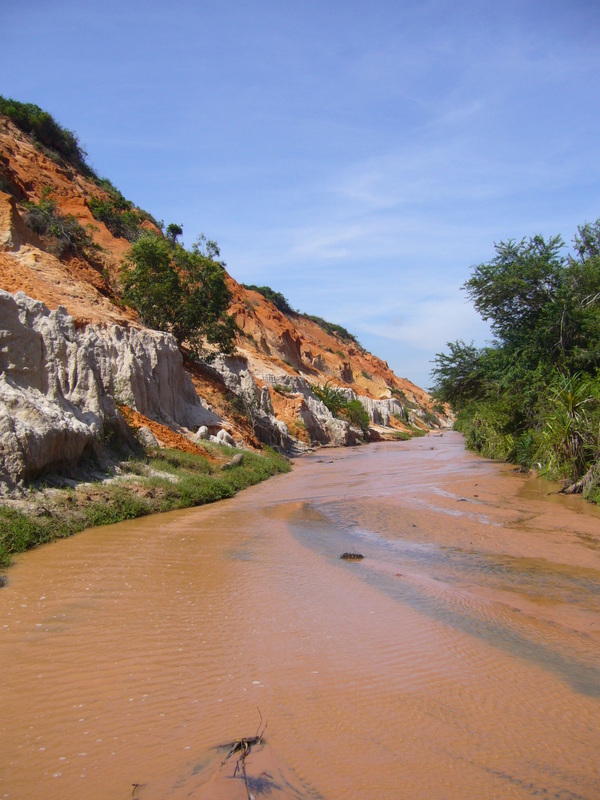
(459, 658)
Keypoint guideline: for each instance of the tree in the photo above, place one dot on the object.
(173, 231)
(515, 288)
(182, 292)
(206, 298)
(459, 375)
(586, 241)
(533, 395)
(150, 283)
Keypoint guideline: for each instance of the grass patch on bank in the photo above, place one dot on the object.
(163, 481)
(402, 436)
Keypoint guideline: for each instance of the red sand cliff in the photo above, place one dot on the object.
(273, 343)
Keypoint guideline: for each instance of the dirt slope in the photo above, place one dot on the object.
(274, 344)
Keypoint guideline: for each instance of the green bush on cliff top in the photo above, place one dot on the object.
(278, 300)
(46, 131)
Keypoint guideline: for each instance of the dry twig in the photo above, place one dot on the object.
(243, 747)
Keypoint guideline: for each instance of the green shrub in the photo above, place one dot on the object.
(119, 216)
(525, 449)
(357, 415)
(339, 405)
(67, 234)
(333, 329)
(278, 300)
(45, 131)
(570, 416)
(430, 419)
(18, 532)
(333, 398)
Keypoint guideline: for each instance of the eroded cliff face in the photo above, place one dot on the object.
(60, 385)
(70, 352)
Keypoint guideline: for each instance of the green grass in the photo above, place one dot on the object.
(183, 480)
(278, 387)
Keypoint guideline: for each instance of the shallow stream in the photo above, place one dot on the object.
(459, 658)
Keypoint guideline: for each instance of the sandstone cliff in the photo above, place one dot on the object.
(70, 351)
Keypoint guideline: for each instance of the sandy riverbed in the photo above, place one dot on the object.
(459, 658)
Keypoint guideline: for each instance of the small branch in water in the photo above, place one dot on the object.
(258, 733)
(352, 556)
(244, 747)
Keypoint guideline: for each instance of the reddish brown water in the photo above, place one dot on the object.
(459, 659)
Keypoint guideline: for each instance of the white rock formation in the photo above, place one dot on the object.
(202, 433)
(380, 411)
(146, 437)
(236, 376)
(59, 384)
(225, 438)
(322, 426)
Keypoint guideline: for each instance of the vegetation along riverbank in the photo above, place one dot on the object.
(532, 396)
(161, 480)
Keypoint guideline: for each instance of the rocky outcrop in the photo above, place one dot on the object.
(236, 376)
(60, 385)
(322, 427)
(254, 402)
(380, 411)
(320, 422)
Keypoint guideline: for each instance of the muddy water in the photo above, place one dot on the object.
(460, 658)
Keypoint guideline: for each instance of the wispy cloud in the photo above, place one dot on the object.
(358, 159)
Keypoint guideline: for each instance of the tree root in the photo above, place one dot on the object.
(582, 484)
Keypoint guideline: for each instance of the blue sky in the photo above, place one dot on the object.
(358, 157)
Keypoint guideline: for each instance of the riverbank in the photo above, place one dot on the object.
(153, 482)
(166, 480)
(162, 480)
